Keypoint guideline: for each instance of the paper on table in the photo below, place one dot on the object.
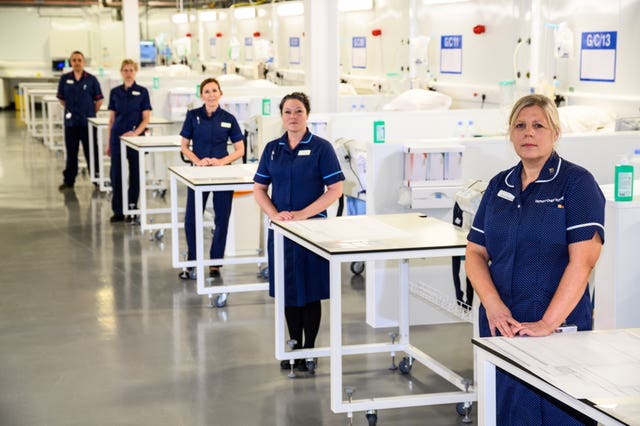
(350, 232)
(583, 368)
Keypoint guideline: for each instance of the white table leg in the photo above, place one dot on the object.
(486, 388)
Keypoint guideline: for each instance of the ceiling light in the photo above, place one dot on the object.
(180, 18)
(244, 12)
(354, 5)
(207, 16)
(290, 9)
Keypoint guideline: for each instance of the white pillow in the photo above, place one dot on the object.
(584, 118)
(418, 99)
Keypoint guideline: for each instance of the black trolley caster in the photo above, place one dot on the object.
(264, 273)
(405, 365)
(357, 268)
(158, 235)
(464, 410)
(311, 366)
(220, 300)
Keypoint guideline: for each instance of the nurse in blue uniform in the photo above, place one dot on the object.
(535, 239)
(305, 178)
(81, 97)
(129, 114)
(208, 129)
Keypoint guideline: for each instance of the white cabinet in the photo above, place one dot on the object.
(432, 175)
(617, 273)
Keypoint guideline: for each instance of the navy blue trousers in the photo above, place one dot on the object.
(221, 210)
(116, 179)
(73, 136)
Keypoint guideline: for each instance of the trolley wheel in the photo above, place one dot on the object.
(221, 300)
(404, 366)
(357, 268)
(461, 410)
(311, 367)
(264, 272)
(159, 234)
(162, 193)
(372, 419)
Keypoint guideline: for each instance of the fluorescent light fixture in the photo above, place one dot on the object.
(434, 2)
(180, 18)
(208, 16)
(354, 5)
(290, 9)
(244, 12)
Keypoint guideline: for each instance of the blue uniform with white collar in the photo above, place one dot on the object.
(527, 235)
(79, 98)
(209, 136)
(298, 178)
(128, 105)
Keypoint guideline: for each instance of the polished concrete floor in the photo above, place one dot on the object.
(97, 329)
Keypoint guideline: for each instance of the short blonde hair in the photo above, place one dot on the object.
(547, 106)
(126, 62)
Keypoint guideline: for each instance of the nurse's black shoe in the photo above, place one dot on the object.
(301, 365)
(118, 217)
(65, 186)
(214, 272)
(285, 365)
(188, 274)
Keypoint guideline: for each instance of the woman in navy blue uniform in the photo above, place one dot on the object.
(534, 241)
(80, 95)
(129, 114)
(299, 166)
(208, 129)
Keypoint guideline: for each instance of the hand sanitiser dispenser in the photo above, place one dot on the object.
(623, 183)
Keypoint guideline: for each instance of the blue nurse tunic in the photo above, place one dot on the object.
(128, 105)
(298, 178)
(527, 235)
(80, 97)
(209, 136)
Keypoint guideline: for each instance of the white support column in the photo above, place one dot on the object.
(321, 54)
(131, 21)
(536, 35)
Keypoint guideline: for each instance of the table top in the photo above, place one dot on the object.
(599, 367)
(162, 141)
(42, 91)
(379, 233)
(224, 175)
(29, 85)
(104, 121)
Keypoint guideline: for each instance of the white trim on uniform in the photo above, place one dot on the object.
(584, 225)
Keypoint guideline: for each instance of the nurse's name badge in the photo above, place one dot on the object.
(304, 152)
(135, 93)
(506, 195)
(68, 115)
(69, 81)
(225, 124)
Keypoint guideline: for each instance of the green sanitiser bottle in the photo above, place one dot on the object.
(623, 183)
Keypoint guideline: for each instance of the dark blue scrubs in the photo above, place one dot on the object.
(298, 178)
(79, 98)
(527, 235)
(128, 105)
(209, 136)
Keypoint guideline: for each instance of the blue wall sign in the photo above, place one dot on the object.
(598, 56)
(451, 54)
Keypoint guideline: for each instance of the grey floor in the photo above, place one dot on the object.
(97, 329)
